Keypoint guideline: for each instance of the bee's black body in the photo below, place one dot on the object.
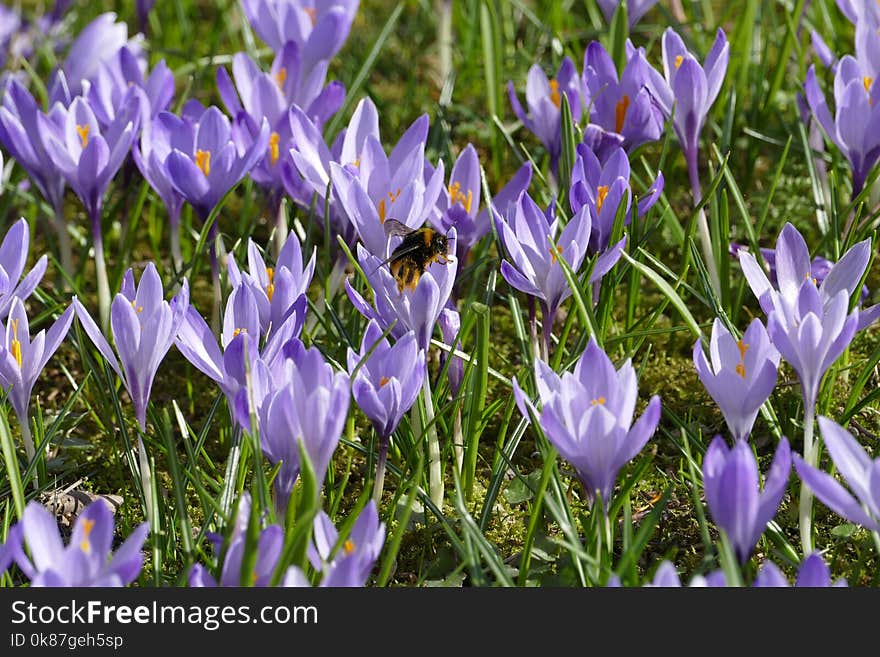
(418, 250)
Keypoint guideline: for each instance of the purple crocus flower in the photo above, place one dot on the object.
(19, 135)
(529, 237)
(807, 323)
(861, 503)
(688, 93)
(623, 105)
(107, 90)
(96, 43)
(270, 544)
(826, 56)
(384, 186)
(635, 9)
(858, 11)
(87, 559)
(205, 162)
(408, 309)
(450, 325)
(144, 326)
(22, 360)
(89, 157)
(813, 573)
(13, 258)
(738, 506)
(588, 416)
(385, 385)
(354, 558)
(459, 206)
(211, 162)
(602, 188)
(311, 407)
(257, 95)
(319, 27)
(666, 576)
(851, 130)
(10, 27)
(544, 102)
(143, 8)
(309, 177)
(387, 381)
(790, 266)
(225, 363)
(819, 269)
(741, 374)
(276, 289)
(158, 138)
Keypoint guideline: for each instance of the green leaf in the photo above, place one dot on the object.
(669, 292)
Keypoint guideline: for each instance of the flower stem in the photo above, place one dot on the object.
(444, 39)
(280, 225)
(101, 273)
(64, 245)
(29, 448)
(176, 253)
(805, 508)
(379, 483)
(702, 223)
(435, 467)
(547, 318)
(533, 330)
(458, 442)
(215, 277)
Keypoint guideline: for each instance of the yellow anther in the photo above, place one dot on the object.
(87, 526)
(867, 81)
(348, 546)
(555, 98)
(554, 253)
(741, 366)
(203, 161)
(83, 132)
(458, 196)
(383, 381)
(599, 401)
(15, 347)
(137, 309)
(382, 207)
(620, 113)
(270, 287)
(274, 138)
(281, 76)
(238, 332)
(601, 193)
(678, 60)
(312, 13)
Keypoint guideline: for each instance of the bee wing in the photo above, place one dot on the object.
(399, 253)
(394, 227)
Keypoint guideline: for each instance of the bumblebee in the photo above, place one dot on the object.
(419, 249)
